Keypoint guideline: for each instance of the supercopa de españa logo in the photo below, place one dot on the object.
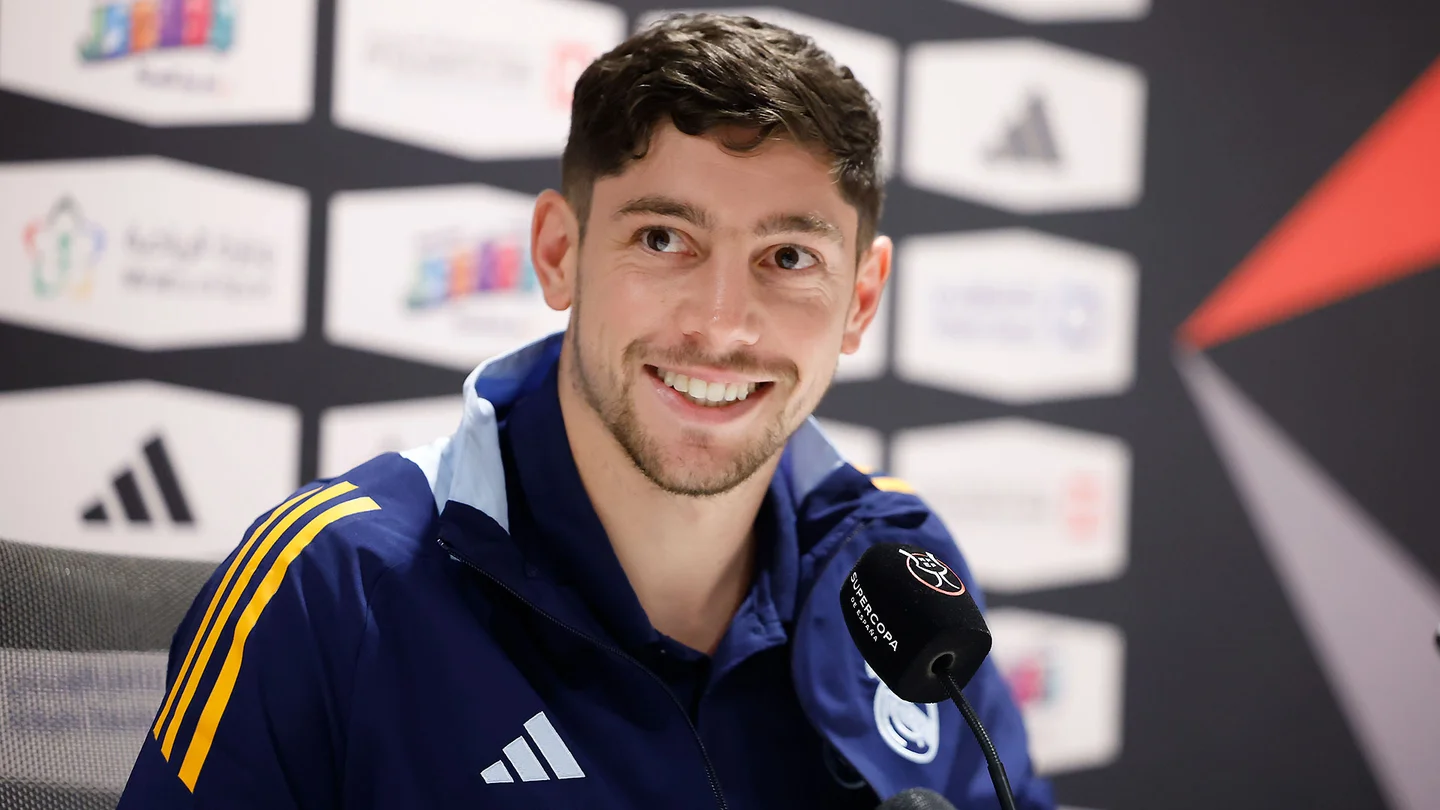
(865, 612)
(933, 574)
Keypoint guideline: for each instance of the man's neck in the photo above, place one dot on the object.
(689, 560)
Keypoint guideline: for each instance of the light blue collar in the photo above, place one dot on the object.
(466, 465)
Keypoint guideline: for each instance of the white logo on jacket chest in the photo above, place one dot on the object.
(523, 759)
(912, 730)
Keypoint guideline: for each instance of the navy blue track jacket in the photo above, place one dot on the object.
(449, 628)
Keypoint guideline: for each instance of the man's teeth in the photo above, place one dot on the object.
(707, 393)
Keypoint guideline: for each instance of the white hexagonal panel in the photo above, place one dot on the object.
(1055, 11)
(439, 274)
(863, 447)
(1031, 505)
(151, 253)
(875, 60)
(1016, 315)
(351, 435)
(164, 62)
(484, 79)
(1024, 125)
(1067, 675)
(142, 468)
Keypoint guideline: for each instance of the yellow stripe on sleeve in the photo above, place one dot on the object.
(889, 484)
(204, 736)
(210, 611)
(241, 583)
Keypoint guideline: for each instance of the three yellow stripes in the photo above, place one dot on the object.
(188, 678)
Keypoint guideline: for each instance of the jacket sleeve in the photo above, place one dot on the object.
(253, 713)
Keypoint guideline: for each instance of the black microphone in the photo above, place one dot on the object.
(919, 628)
(916, 799)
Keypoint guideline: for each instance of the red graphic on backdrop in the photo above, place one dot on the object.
(1373, 219)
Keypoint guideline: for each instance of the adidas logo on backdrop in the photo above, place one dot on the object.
(153, 476)
(1030, 139)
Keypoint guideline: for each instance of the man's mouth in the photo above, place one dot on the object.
(711, 394)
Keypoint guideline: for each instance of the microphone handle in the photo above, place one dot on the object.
(992, 758)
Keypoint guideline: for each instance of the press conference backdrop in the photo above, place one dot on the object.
(1160, 345)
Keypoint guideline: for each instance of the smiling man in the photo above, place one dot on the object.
(615, 585)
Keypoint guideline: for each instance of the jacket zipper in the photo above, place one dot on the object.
(613, 650)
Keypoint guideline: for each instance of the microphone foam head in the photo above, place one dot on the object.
(908, 612)
(916, 799)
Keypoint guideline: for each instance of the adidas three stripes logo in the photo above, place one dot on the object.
(156, 475)
(526, 764)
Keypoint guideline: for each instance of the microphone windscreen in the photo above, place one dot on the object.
(916, 799)
(908, 612)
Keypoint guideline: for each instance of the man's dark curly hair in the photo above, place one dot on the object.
(704, 71)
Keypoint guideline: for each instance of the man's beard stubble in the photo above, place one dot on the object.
(613, 404)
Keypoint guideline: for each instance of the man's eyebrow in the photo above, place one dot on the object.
(800, 223)
(666, 207)
(660, 205)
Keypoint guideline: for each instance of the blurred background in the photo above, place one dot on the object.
(1160, 347)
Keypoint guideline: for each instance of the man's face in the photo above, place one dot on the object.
(714, 293)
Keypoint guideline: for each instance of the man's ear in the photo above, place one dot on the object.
(555, 248)
(870, 277)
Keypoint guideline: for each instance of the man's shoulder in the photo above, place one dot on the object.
(370, 519)
(878, 507)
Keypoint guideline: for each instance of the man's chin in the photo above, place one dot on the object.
(715, 476)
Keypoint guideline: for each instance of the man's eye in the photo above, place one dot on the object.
(662, 240)
(790, 257)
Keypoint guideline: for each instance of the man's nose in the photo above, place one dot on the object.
(722, 302)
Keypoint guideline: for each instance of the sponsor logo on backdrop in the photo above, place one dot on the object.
(151, 253)
(166, 498)
(453, 266)
(129, 27)
(1016, 315)
(350, 435)
(63, 708)
(1028, 139)
(63, 247)
(124, 29)
(1067, 675)
(442, 275)
(142, 468)
(1054, 11)
(1034, 677)
(483, 79)
(875, 60)
(1024, 125)
(502, 68)
(1032, 505)
(164, 62)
